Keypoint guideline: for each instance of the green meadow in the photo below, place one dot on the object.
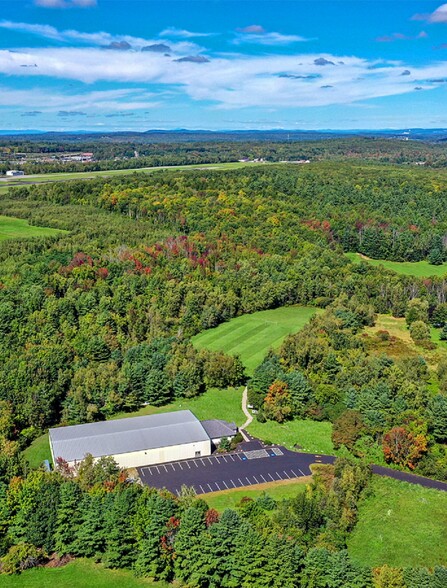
(18, 228)
(400, 524)
(81, 573)
(251, 335)
(421, 269)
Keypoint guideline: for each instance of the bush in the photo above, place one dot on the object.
(419, 331)
(22, 557)
(225, 444)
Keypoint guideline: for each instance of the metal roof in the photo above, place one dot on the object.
(217, 428)
(126, 435)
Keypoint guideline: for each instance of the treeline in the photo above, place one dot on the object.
(381, 408)
(97, 513)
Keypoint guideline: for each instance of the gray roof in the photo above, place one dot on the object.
(217, 429)
(126, 435)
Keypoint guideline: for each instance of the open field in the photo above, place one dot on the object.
(400, 525)
(6, 183)
(213, 404)
(421, 269)
(277, 490)
(251, 335)
(81, 573)
(18, 228)
(312, 436)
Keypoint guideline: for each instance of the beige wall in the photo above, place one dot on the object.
(161, 454)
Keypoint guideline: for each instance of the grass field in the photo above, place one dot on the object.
(250, 336)
(421, 269)
(18, 228)
(401, 525)
(38, 451)
(81, 573)
(312, 436)
(277, 490)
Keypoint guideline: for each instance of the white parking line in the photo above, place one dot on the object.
(203, 491)
(172, 466)
(224, 458)
(240, 482)
(286, 474)
(279, 477)
(202, 461)
(156, 467)
(225, 484)
(249, 483)
(270, 476)
(263, 477)
(166, 469)
(210, 460)
(234, 485)
(181, 467)
(218, 487)
(302, 473)
(256, 480)
(196, 464)
(232, 458)
(210, 487)
(296, 476)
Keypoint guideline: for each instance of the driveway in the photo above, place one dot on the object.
(255, 464)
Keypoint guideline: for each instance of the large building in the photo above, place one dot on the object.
(134, 442)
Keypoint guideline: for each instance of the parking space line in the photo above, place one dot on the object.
(210, 461)
(256, 480)
(249, 483)
(181, 467)
(232, 458)
(286, 474)
(225, 484)
(279, 477)
(302, 473)
(218, 487)
(203, 491)
(166, 469)
(156, 467)
(263, 477)
(187, 463)
(196, 464)
(203, 463)
(172, 466)
(234, 485)
(296, 476)
(271, 478)
(240, 482)
(210, 487)
(224, 458)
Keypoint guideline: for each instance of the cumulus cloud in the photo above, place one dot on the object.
(253, 29)
(256, 34)
(438, 16)
(193, 59)
(323, 61)
(65, 3)
(157, 48)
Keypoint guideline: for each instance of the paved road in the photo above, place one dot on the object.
(411, 478)
(254, 465)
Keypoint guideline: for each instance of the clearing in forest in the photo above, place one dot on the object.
(421, 269)
(400, 524)
(251, 335)
(18, 228)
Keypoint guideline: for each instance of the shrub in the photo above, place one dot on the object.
(22, 557)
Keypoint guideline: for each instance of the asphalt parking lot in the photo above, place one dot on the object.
(256, 465)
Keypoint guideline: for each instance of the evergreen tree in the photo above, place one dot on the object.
(91, 536)
(120, 534)
(68, 517)
(188, 547)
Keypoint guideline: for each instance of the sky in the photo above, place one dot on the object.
(115, 65)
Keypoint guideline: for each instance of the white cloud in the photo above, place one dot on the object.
(65, 3)
(101, 38)
(267, 38)
(439, 15)
(183, 33)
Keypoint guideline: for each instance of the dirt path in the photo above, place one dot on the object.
(246, 412)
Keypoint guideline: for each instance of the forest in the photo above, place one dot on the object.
(98, 321)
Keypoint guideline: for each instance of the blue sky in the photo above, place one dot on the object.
(219, 64)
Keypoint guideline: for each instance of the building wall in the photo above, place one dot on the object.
(161, 454)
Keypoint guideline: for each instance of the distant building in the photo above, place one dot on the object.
(15, 172)
(218, 429)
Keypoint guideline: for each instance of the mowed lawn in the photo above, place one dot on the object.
(401, 525)
(18, 228)
(81, 573)
(277, 490)
(421, 269)
(311, 436)
(251, 335)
